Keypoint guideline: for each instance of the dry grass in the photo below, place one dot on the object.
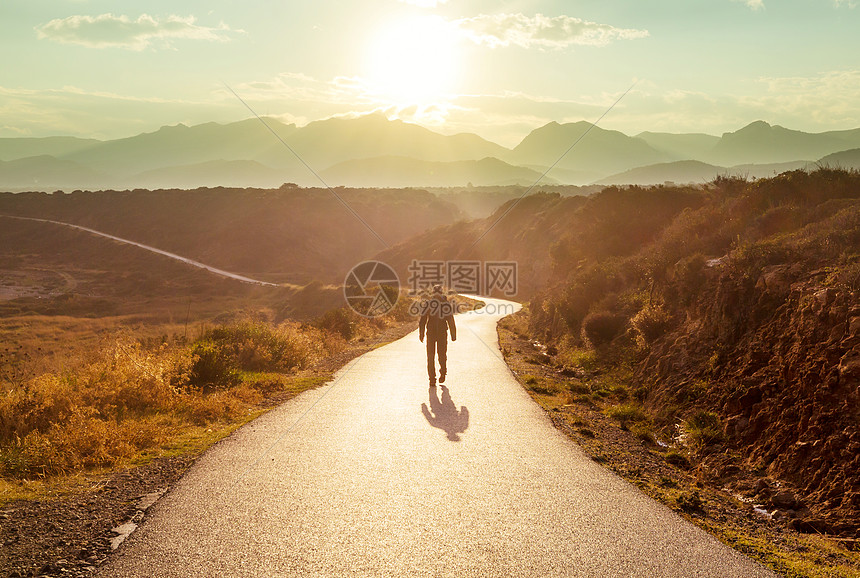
(133, 399)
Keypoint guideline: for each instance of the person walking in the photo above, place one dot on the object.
(436, 319)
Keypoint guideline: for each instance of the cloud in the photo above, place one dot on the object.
(755, 4)
(108, 30)
(828, 99)
(424, 3)
(76, 111)
(300, 88)
(541, 31)
(840, 3)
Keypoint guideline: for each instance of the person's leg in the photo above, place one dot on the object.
(442, 348)
(431, 359)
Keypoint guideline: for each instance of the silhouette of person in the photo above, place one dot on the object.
(437, 318)
(443, 414)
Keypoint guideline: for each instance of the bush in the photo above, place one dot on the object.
(651, 323)
(703, 429)
(642, 432)
(691, 503)
(627, 413)
(340, 321)
(677, 459)
(602, 327)
(213, 367)
(849, 275)
(260, 346)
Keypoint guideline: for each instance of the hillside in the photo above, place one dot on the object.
(396, 171)
(599, 151)
(361, 151)
(760, 143)
(282, 235)
(217, 173)
(739, 310)
(674, 172)
(681, 146)
(49, 173)
(849, 159)
(527, 230)
(56, 146)
(184, 145)
(697, 172)
(327, 142)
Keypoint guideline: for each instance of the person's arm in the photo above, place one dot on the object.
(452, 327)
(422, 324)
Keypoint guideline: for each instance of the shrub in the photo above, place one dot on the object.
(689, 277)
(642, 431)
(213, 367)
(602, 327)
(651, 323)
(703, 429)
(849, 275)
(627, 413)
(677, 459)
(691, 503)
(340, 321)
(666, 482)
(260, 346)
(584, 359)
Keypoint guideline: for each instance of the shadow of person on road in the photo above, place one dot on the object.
(443, 414)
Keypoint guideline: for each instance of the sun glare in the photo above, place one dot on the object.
(413, 61)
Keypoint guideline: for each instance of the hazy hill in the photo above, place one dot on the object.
(761, 143)
(396, 171)
(675, 172)
(327, 142)
(55, 146)
(849, 159)
(219, 173)
(183, 145)
(49, 173)
(681, 146)
(683, 172)
(601, 151)
(241, 154)
(764, 171)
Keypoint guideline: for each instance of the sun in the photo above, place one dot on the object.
(413, 61)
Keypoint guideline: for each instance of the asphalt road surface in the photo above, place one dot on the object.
(376, 474)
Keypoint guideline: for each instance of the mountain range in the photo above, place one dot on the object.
(373, 151)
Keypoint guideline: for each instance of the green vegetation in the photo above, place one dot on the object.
(626, 414)
(702, 430)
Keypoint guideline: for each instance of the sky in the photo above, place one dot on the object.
(115, 68)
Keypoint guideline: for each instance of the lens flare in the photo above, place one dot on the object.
(413, 61)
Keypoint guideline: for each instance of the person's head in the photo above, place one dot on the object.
(437, 289)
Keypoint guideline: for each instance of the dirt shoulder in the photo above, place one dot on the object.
(740, 518)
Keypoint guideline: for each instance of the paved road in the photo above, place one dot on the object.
(376, 475)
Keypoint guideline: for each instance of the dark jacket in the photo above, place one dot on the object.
(437, 318)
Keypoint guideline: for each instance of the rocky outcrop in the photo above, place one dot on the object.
(778, 358)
